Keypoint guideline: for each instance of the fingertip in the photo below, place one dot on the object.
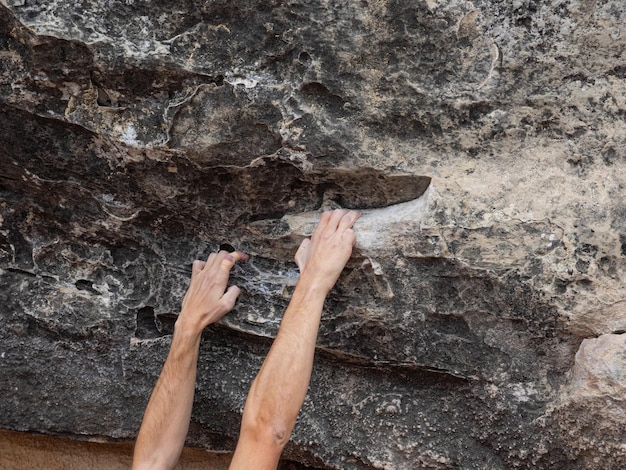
(197, 266)
(326, 216)
(349, 219)
(211, 259)
(228, 260)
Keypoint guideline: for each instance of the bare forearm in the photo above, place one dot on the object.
(166, 420)
(279, 389)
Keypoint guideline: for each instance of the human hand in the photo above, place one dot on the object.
(322, 257)
(207, 299)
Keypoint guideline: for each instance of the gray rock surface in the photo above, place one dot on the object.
(483, 141)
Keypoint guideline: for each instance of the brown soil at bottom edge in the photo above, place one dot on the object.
(26, 451)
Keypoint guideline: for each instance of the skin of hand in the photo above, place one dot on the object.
(322, 257)
(279, 389)
(166, 421)
(207, 299)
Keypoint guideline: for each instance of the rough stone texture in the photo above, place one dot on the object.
(596, 398)
(484, 142)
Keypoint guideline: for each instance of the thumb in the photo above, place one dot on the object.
(302, 255)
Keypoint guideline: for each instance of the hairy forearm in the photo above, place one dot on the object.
(166, 420)
(280, 387)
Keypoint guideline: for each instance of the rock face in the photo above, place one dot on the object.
(480, 322)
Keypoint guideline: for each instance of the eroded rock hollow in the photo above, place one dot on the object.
(480, 323)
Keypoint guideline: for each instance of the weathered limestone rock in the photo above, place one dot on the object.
(595, 398)
(483, 141)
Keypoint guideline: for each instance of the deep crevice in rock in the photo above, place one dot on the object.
(146, 324)
(86, 285)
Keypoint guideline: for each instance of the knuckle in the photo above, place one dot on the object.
(197, 264)
(227, 303)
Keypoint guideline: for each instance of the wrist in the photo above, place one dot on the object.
(184, 348)
(186, 330)
(310, 287)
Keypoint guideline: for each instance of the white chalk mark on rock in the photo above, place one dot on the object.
(375, 227)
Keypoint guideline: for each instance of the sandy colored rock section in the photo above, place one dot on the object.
(596, 399)
(22, 451)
